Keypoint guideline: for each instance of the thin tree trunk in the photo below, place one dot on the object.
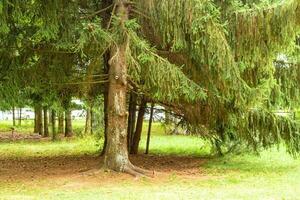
(14, 116)
(87, 129)
(92, 120)
(131, 119)
(105, 95)
(149, 129)
(20, 116)
(106, 16)
(53, 115)
(39, 120)
(106, 22)
(139, 128)
(46, 128)
(61, 122)
(35, 120)
(68, 123)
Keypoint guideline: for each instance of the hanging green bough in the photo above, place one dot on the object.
(212, 62)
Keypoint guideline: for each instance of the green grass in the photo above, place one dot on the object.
(272, 175)
(32, 149)
(25, 127)
(176, 145)
(162, 144)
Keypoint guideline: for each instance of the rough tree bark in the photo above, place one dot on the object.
(68, 123)
(116, 153)
(139, 128)
(46, 129)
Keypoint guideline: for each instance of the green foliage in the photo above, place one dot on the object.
(264, 129)
(288, 79)
(159, 78)
(211, 60)
(228, 48)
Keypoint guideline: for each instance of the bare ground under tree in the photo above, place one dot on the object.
(78, 171)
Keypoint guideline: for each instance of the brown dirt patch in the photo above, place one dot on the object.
(10, 136)
(78, 172)
(13, 136)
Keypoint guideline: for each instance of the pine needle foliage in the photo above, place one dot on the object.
(211, 60)
(231, 46)
(157, 77)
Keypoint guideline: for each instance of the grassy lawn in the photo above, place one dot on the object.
(27, 126)
(272, 175)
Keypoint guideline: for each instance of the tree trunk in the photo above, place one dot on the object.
(14, 116)
(87, 129)
(39, 120)
(35, 120)
(116, 152)
(68, 123)
(106, 16)
(53, 115)
(149, 128)
(105, 95)
(139, 128)
(92, 120)
(20, 116)
(46, 129)
(131, 119)
(61, 122)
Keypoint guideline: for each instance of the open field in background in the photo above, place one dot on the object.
(68, 169)
(27, 126)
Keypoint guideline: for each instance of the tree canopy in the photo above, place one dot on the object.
(214, 63)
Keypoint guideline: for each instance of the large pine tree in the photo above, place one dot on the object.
(209, 61)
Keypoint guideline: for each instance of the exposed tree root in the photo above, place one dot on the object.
(138, 172)
(91, 172)
(134, 173)
(142, 171)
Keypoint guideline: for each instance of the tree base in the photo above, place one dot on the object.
(138, 172)
(132, 170)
